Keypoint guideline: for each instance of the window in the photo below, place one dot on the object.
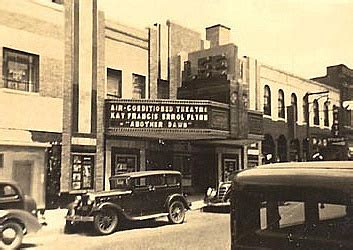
(1, 160)
(155, 180)
(139, 86)
(326, 112)
(124, 163)
(305, 108)
(267, 100)
(162, 89)
(20, 70)
(7, 190)
(114, 83)
(316, 112)
(295, 106)
(281, 107)
(172, 180)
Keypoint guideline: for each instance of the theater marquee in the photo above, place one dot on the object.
(164, 115)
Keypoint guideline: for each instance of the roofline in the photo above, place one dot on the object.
(309, 165)
(217, 25)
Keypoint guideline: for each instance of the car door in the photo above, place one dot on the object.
(157, 193)
(139, 198)
(10, 197)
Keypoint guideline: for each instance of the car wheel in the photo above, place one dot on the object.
(176, 212)
(11, 236)
(106, 221)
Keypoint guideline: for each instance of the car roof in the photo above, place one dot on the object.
(11, 182)
(147, 173)
(321, 174)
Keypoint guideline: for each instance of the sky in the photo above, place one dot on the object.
(302, 37)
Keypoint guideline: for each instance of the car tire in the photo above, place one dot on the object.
(106, 221)
(176, 212)
(11, 236)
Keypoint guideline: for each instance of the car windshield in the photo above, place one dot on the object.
(119, 183)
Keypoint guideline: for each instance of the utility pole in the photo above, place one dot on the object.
(307, 118)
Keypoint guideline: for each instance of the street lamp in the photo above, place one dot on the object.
(307, 118)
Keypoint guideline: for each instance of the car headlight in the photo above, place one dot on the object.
(90, 200)
(77, 200)
(211, 192)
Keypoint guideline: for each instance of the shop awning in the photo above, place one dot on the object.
(169, 134)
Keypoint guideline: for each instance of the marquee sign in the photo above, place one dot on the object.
(163, 114)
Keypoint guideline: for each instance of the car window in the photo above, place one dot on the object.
(119, 183)
(172, 180)
(140, 182)
(7, 190)
(155, 180)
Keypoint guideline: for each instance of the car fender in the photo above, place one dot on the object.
(26, 219)
(107, 205)
(177, 197)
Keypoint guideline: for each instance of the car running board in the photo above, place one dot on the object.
(147, 217)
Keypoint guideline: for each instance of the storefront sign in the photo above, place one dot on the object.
(158, 115)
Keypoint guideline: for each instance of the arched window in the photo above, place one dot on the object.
(305, 108)
(316, 112)
(294, 104)
(281, 107)
(267, 100)
(326, 112)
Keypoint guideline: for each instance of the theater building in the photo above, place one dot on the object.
(121, 113)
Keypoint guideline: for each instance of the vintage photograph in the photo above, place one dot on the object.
(203, 124)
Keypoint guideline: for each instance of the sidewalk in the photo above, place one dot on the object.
(55, 218)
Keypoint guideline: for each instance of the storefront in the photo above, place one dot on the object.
(189, 136)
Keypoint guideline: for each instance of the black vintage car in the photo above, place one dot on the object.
(133, 196)
(18, 215)
(307, 205)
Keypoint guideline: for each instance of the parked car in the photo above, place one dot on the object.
(133, 196)
(306, 205)
(18, 215)
(220, 196)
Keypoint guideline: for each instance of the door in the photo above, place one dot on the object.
(22, 174)
(230, 165)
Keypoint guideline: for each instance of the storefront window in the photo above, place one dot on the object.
(82, 171)
(124, 163)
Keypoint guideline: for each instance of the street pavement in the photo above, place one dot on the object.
(201, 230)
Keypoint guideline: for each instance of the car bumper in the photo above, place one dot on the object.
(217, 204)
(79, 218)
